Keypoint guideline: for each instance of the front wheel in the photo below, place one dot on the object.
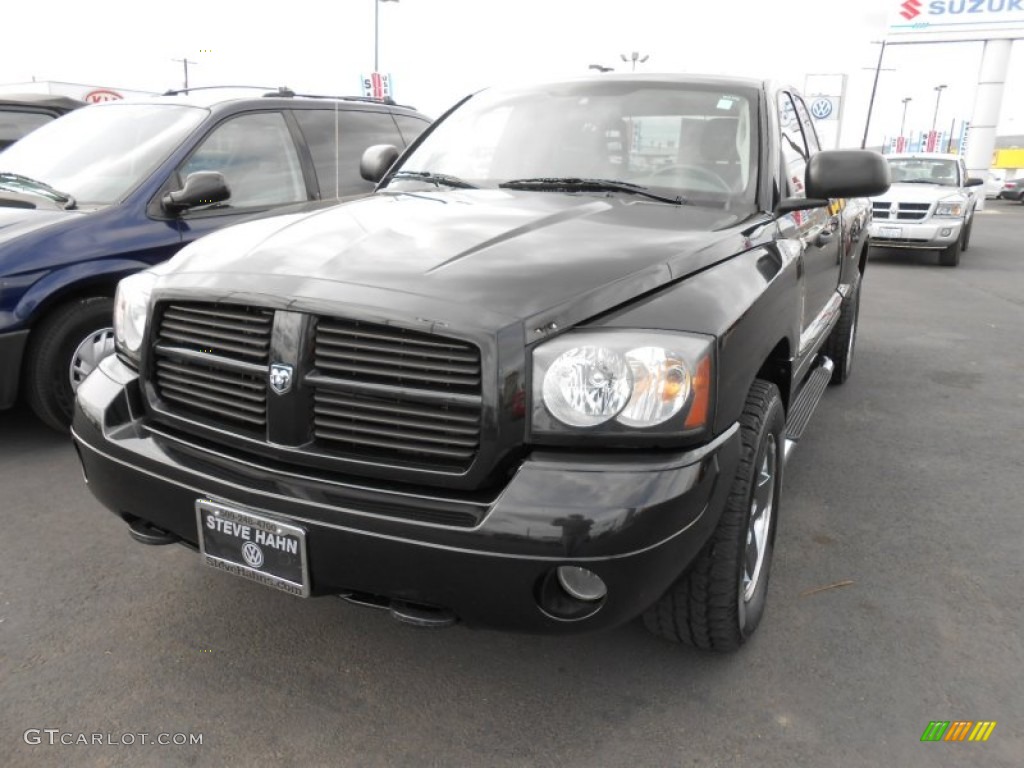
(64, 349)
(950, 256)
(718, 602)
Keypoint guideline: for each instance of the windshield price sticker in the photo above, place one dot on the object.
(252, 546)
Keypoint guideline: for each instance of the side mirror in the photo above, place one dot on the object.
(201, 188)
(973, 181)
(376, 160)
(790, 204)
(846, 173)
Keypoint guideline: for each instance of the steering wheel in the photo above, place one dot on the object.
(696, 170)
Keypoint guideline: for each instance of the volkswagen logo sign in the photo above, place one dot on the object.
(280, 378)
(252, 554)
(821, 108)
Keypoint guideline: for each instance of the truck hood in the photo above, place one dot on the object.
(503, 255)
(917, 193)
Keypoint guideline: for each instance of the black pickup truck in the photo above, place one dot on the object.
(545, 378)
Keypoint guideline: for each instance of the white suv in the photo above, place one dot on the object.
(930, 205)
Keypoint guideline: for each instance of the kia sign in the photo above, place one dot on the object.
(951, 20)
(100, 95)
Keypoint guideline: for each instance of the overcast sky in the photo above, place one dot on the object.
(439, 50)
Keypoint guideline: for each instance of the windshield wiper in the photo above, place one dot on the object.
(922, 181)
(437, 178)
(589, 185)
(33, 185)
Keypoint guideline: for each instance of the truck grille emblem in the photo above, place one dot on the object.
(280, 378)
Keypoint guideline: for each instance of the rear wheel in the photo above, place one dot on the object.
(719, 601)
(840, 343)
(64, 349)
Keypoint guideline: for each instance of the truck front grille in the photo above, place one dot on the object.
(381, 392)
(904, 211)
(210, 360)
(370, 392)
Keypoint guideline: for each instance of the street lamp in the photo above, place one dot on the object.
(600, 68)
(938, 95)
(903, 122)
(635, 57)
(376, 30)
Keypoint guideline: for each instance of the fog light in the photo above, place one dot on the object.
(582, 584)
(946, 232)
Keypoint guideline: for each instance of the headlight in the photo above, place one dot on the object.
(131, 306)
(586, 386)
(622, 383)
(952, 208)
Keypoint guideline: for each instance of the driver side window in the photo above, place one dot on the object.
(256, 155)
(794, 148)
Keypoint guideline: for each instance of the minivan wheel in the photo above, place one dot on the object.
(64, 349)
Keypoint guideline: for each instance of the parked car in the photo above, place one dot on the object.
(1013, 189)
(930, 206)
(23, 113)
(120, 186)
(534, 382)
(994, 181)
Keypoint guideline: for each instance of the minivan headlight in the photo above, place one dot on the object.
(622, 382)
(131, 309)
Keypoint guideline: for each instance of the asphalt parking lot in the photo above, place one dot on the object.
(907, 485)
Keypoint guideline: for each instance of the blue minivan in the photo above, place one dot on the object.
(114, 188)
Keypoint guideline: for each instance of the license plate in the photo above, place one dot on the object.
(891, 232)
(253, 546)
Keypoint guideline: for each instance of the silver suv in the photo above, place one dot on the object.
(930, 205)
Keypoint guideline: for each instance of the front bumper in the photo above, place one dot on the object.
(12, 350)
(930, 234)
(636, 521)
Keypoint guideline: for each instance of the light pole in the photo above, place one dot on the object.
(938, 95)
(635, 57)
(376, 30)
(903, 122)
(874, 88)
(186, 62)
(600, 68)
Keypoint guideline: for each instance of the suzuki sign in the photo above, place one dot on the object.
(938, 20)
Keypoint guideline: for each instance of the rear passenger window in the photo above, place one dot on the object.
(337, 140)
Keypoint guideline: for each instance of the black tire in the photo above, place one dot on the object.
(839, 346)
(52, 345)
(950, 256)
(707, 607)
(966, 239)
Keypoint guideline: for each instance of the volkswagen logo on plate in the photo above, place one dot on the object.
(252, 554)
(280, 378)
(821, 108)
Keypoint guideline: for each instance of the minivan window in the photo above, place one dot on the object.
(14, 124)
(256, 155)
(99, 153)
(337, 140)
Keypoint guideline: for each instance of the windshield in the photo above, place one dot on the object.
(99, 153)
(936, 170)
(678, 139)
